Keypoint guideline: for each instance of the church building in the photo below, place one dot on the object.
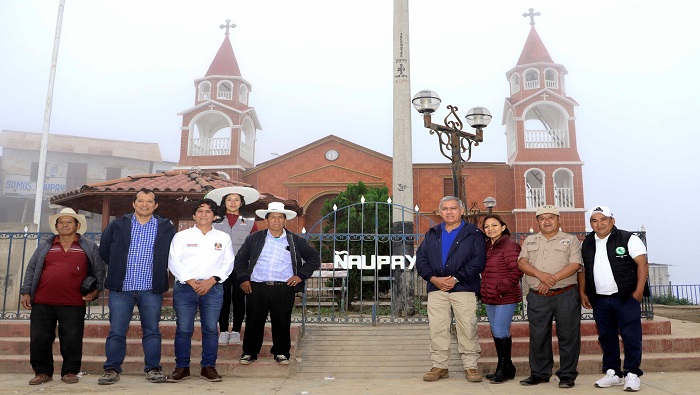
(543, 166)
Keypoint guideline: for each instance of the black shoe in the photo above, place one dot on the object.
(533, 380)
(566, 383)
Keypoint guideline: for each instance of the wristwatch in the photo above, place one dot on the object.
(217, 278)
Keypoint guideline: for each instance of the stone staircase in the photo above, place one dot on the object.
(14, 350)
(354, 351)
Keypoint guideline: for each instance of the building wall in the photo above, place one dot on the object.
(17, 165)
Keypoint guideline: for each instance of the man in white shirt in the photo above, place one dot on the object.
(201, 259)
(613, 283)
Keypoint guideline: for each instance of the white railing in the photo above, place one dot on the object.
(564, 197)
(552, 138)
(551, 84)
(532, 84)
(204, 95)
(534, 197)
(223, 95)
(210, 146)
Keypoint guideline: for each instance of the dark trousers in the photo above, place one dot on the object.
(233, 296)
(278, 300)
(541, 310)
(42, 333)
(613, 316)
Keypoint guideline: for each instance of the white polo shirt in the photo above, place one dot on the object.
(602, 272)
(199, 256)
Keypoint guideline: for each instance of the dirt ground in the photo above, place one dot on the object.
(683, 313)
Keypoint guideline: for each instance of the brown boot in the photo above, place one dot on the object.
(472, 375)
(40, 378)
(178, 375)
(436, 374)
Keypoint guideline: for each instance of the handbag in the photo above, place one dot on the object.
(89, 284)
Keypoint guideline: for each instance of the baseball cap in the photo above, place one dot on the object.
(600, 209)
(548, 209)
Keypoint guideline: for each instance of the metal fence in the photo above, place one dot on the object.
(676, 294)
(367, 274)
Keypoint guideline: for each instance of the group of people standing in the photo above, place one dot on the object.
(136, 252)
(607, 273)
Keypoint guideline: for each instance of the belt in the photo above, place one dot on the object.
(552, 292)
(270, 282)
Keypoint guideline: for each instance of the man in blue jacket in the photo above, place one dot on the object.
(450, 259)
(135, 248)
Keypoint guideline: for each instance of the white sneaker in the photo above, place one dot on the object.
(632, 382)
(223, 338)
(235, 338)
(609, 380)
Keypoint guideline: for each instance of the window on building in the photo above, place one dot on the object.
(534, 188)
(76, 175)
(113, 173)
(224, 90)
(514, 83)
(551, 78)
(204, 91)
(243, 94)
(532, 79)
(563, 188)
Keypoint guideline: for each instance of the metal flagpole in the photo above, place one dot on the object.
(47, 119)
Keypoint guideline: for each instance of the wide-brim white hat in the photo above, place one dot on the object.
(276, 207)
(250, 195)
(68, 212)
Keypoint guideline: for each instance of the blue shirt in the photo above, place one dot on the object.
(139, 262)
(447, 239)
(275, 261)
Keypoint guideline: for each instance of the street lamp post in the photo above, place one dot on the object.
(490, 203)
(454, 143)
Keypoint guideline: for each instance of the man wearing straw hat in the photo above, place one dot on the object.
(272, 265)
(52, 291)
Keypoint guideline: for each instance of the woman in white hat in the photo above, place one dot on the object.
(234, 220)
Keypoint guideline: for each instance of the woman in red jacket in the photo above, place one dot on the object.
(500, 291)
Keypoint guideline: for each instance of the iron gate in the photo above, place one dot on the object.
(367, 272)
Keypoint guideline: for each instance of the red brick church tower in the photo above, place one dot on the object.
(541, 137)
(218, 132)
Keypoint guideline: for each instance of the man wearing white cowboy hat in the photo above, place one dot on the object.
(272, 265)
(52, 291)
(234, 220)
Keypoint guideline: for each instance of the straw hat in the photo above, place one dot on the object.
(68, 212)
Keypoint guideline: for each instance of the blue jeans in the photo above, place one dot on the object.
(186, 301)
(613, 316)
(121, 308)
(500, 317)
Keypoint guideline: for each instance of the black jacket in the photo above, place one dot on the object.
(624, 268)
(305, 260)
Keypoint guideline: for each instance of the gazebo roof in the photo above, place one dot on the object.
(177, 192)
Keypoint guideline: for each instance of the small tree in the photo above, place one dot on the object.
(367, 218)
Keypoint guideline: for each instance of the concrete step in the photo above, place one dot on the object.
(14, 350)
(347, 351)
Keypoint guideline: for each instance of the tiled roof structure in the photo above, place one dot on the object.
(177, 192)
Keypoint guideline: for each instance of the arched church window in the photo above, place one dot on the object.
(563, 188)
(532, 79)
(204, 91)
(534, 188)
(551, 78)
(224, 90)
(247, 140)
(243, 94)
(514, 83)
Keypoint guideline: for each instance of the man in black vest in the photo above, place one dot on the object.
(613, 283)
